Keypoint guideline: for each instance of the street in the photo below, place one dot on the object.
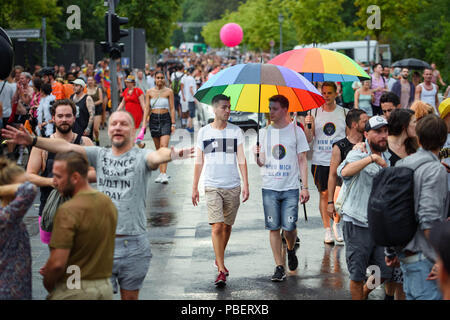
(182, 266)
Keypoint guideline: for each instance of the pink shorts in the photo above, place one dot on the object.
(45, 236)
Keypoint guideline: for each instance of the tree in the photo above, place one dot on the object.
(27, 14)
(318, 21)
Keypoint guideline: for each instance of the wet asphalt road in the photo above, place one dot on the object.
(183, 257)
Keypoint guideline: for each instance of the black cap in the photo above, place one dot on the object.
(440, 240)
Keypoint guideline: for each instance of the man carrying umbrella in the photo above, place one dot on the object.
(282, 155)
(326, 127)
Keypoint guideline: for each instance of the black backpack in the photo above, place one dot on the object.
(391, 213)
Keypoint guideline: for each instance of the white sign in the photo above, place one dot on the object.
(24, 33)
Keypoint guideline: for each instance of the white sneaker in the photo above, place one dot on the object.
(337, 230)
(328, 236)
(164, 179)
(158, 180)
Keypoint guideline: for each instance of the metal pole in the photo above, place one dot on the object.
(44, 42)
(281, 38)
(112, 65)
(132, 49)
(368, 50)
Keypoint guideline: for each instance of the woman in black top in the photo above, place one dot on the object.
(402, 139)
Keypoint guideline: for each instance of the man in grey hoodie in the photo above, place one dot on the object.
(418, 258)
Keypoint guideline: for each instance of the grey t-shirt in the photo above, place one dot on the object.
(124, 179)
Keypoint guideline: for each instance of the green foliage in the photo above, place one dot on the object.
(27, 14)
(318, 21)
(258, 28)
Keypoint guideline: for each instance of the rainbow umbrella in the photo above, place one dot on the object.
(320, 65)
(251, 85)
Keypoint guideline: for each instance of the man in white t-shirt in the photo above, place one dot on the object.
(189, 88)
(327, 127)
(220, 150)
(282, 156)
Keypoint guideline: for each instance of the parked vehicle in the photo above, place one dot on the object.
(357, 50)
(245, 120)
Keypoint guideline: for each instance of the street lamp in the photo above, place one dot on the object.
(280, 20)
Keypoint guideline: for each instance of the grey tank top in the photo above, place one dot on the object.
(159, 103)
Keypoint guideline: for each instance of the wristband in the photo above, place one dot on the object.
(33, 143)
(330, 202)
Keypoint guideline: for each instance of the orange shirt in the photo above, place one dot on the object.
(68, 90)
(58, 90)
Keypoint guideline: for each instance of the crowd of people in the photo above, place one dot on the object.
(363, 127)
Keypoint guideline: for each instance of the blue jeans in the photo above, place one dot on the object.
(280, 209)
(415, 285)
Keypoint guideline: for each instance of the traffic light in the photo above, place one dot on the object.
(117, 33)
(114, 48)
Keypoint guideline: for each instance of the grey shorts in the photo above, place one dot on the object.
(131, 262)
(361, 252)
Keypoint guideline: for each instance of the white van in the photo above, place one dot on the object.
(357, 50)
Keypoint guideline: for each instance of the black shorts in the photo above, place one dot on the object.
(177, 100)
(98, 110)
(191, 106)
(160, 124)
(320, 174)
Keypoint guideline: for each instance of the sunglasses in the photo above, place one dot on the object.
(388, 111)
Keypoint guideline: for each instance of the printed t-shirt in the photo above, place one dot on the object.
(280, 147)
(124, 179)
(329, 128)
(220, 149)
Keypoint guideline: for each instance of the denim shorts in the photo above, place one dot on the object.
(191, 106)
(361, 252)
(131, 262)
(415, 283)
(280, 209)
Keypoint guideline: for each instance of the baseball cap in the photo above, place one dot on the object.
(444, 108)
(79, 82)
(440, 240)
(375, 123)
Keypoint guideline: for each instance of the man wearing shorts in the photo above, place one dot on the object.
(357, 171)
(327, 127)
(282, 156)
(122, 171)
(220, 150)
(189, 89)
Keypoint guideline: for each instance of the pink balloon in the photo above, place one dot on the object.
(231, 34)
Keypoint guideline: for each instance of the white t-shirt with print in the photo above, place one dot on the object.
(220, 149)
(280, 147)
(329, 128)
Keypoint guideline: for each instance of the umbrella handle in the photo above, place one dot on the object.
(309, 124)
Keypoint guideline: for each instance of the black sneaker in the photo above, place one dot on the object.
(279, 274)
(292, 259)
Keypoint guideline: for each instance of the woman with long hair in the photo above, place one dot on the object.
(159, 104)
(97, 95)
(15, 252)
(402, 141)
(364, 98)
